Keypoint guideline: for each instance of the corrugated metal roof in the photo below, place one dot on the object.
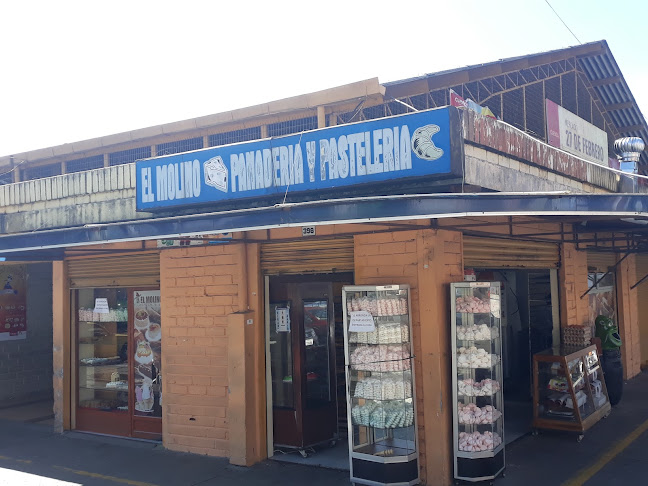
(594, 59)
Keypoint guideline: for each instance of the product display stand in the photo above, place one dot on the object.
(569, 391)
(383, 445)
(478, 412)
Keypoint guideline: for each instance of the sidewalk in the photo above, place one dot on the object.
(553, 458)
(31, 454)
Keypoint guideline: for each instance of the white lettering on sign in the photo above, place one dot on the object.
(147, 186)
(179, 180)
(361, 321)
(308, 230)
(343, 159)
(279, 166)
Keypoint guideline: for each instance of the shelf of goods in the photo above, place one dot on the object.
(562, 377)
(478, 417)
(381, 400)
(103, 373)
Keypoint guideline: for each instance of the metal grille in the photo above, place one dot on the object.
(420, 102)
(495, 105)
(351, 116)
(395, 108)
(129, 156)
(373, 112)
(440, 97)
(584, 101)
(535, 110)
(597, 118)
(41, 172)
(292, 126)
(513, 110)
(86, 163)
(179, 146)
(6, 176)
(569, 92)
(234, 136)
(552, 90)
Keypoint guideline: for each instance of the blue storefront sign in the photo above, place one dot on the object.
(402, 147)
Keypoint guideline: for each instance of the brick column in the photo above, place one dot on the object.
(574, 310)
(628, 316)
(428, 261)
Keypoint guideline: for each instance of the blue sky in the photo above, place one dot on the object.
(73, 70)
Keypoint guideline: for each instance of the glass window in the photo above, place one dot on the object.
(281, 358)
(316, 345)
(103, 348)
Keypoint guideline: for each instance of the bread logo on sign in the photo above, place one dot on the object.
(216, 173)
(422, 143)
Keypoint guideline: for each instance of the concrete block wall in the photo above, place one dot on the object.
(26, 364)
(428, 261)
(199, 288)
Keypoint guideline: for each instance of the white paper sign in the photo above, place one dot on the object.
(361, 321)
(282, 319)
(101, 306)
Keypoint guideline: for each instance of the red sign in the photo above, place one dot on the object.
(13, 303)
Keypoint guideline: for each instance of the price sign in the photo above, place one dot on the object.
(361, 321)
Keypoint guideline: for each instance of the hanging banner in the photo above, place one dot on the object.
(13, 302)
(400, 147)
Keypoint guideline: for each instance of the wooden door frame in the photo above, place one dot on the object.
(330, 277)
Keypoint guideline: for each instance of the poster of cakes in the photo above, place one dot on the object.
(13, 303)
(147, 329)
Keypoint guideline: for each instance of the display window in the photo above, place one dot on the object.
(380, 385)
(119, 336)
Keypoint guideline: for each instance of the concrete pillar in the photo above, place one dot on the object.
(61, 348)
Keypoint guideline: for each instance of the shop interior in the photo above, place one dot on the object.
(529, 324)
(307, 406)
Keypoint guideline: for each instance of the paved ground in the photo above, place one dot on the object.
(612, 453)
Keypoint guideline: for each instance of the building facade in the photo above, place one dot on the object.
(175, 301)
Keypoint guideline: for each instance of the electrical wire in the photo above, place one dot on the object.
(563, 22)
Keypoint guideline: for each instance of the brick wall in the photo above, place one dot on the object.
(627, 312)
(428, 261)
(573, 284)
(199, 288)
(26, 365)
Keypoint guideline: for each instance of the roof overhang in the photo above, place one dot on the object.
(614, 208)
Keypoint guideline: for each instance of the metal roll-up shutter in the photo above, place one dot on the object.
(125, 270)
(308, 256)
(600, 261)
(482, 252)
